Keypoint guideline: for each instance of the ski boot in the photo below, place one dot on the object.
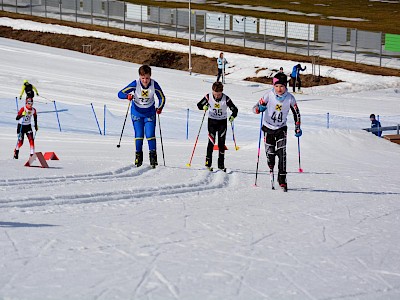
(139, 159)
(16, 152)
(221, 164)
(153, 158)
(209, 163)
(282, 182)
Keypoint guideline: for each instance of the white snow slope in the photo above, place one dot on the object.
(92, 226)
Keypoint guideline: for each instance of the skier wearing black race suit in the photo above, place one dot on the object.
(217, 103)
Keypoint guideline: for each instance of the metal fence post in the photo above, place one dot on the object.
(60, 5)
(308, 41)
(355, 47)
(124, 15)
(224, 28)
(265, 34)
(286, 36)
(380, 50)
(194, 24)
(108, 13)
(158, 29)
(91, 11)
(176, 22)
(205, 27)
(244, 32)
(331, 42)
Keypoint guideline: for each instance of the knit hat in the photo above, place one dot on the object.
(280, 78)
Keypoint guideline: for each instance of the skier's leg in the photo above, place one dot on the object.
(150, 131)
(293, 83)
(211, 142)
(269, 142)
(29, 134)
(281, 152)
(221, 145)
(219, 74)
(138, 125)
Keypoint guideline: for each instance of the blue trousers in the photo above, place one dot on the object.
(144, 126)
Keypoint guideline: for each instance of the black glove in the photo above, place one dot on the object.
(36, 127)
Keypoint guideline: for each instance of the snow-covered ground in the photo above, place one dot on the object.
(92, 226)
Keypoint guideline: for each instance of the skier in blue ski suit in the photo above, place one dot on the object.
(295, 76)
(143, 112)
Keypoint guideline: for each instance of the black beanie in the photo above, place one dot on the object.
(280, 78)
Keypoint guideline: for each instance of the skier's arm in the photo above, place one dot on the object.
(22, 92)
(261, 105)
(20, 114)
(160, 96)
(123, 94)
(296, 114)
(35, 120)
(232, 107)
(37, 93)
(202, 103)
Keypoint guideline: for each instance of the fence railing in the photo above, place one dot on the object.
(348, 44)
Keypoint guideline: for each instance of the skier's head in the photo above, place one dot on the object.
(145, 75)
(279, 78)
(25, 81)
(372, 116)
(217, 89)
(280, 81)
(29, 101)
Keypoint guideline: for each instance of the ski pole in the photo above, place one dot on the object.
(259, 147)
(197, 138)
(298, 148)
(233, 136)
(127, 111)
(162, 145)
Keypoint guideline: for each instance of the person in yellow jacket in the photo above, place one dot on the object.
(28, 89)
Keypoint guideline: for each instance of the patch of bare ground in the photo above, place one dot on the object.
(169, 59)
(307, 80)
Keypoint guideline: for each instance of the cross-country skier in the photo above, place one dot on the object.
(24, 118)
(375, 124)
(276, 104)
(221, 63)
(28, 89)
(217, 104)
(143, 112)
(295, 76)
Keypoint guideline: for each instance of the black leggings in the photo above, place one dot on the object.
(275, 145)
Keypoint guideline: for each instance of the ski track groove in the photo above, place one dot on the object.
(124, 172)
(207, 182)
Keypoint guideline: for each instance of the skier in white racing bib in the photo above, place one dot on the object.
(24, 118)
(217, 104)
(276, 104)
